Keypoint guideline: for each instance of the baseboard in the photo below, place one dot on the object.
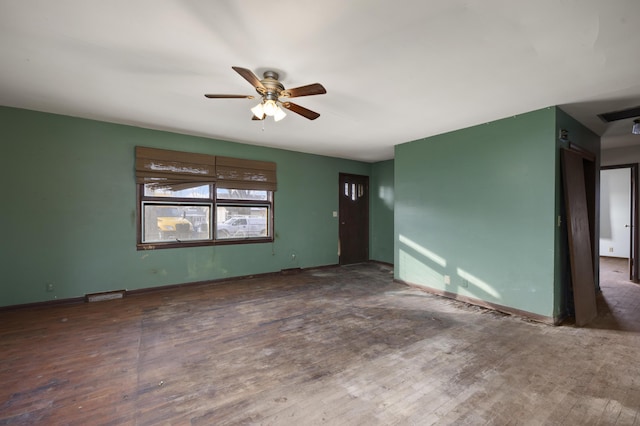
(225, 280)
(119, 294)
(380, 262)
(43, 304)
(482, 303)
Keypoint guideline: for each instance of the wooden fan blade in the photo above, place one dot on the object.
(310, 89)
(307, 113)
(259, 119)
(250, 77)
(210, 96)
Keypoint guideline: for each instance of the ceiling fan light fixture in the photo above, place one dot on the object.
(258, 110)
(636, 127)
(279, 114)
(270, 107)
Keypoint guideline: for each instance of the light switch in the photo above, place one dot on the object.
(335, 214)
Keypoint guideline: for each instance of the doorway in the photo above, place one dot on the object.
(354, 219)
(619, 215)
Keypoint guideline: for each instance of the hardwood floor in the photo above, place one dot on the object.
(336, 346)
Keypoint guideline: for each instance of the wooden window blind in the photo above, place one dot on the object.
(175, 168)
(236, 173)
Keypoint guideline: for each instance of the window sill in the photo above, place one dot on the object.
(186, 244)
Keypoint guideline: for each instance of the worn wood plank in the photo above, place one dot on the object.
(342, 345)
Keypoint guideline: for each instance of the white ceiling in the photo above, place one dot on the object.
(394, 71)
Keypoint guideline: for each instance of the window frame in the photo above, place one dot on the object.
(235, 202)
(212, 201)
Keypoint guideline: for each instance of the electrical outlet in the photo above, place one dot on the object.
(447, 279)
(610, 249)
(465, 283)
(50, 287)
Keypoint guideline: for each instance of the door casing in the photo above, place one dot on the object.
(634, 253)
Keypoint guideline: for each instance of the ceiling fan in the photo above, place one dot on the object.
(271, 90)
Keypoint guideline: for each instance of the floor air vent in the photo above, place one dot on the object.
(109, 295)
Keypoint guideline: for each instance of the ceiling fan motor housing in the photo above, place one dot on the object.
(272, 87)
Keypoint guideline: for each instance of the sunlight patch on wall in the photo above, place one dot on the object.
(423, 251)
(415, 271)
(477, 282)
(386, 195)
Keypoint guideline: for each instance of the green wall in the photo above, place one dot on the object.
(382, 200)
(478, 205)
(70, 206)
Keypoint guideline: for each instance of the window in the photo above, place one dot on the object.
(190, 199)
(242, 214)
(176, 215)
